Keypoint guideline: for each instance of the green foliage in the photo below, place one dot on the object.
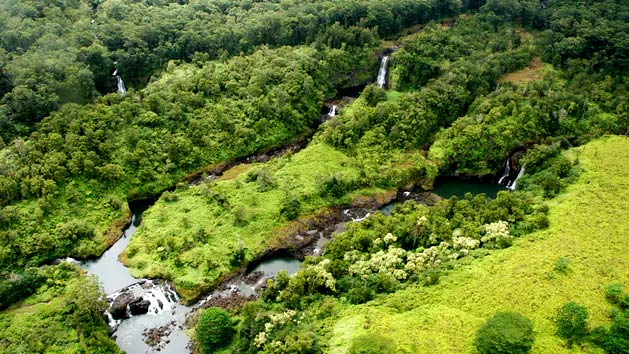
(616, 338)
(214, 329)
(291, 208)
(614, 293)
(572, 322)
(505, 332)
(64, 314)
(16, 287)
(372, 94)
(562, 264)
(374, 343)
(239, 256)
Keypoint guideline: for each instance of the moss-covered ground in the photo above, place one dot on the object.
(589, 225)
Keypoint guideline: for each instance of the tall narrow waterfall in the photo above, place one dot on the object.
(382, 73)
(506, 172)
(515, 181)
(122, 90)
(332, 112)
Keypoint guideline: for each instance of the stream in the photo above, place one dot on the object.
(146, 316)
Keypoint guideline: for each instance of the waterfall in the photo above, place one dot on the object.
(332, 112)
(506, 172)
(512, 185)
(122, 90)
(382, 73)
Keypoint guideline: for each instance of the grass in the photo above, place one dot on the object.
(191, 240)
(532, 72)
(589, 225)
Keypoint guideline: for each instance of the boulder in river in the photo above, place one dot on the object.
(139, 306)
(118, 307)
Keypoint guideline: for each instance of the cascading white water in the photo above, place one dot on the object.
(122, 90)
(382, 73)
(515, 181)
(506, 172)
(332, 112)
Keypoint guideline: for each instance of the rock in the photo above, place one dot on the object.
(139, 307)
(118, 307)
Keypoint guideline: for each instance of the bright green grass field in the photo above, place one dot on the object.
(166, 246)
(589, 225)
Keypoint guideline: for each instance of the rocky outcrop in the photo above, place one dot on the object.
(118, 307)
(139, 306)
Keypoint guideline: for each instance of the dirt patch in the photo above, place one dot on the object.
(528, 74)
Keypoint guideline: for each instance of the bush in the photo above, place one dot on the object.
(19, 286)
(373, 94)
(360, 295)
(372, 344)
(505, 332)
(616, 340)
(214, 329)
(572, 322)
(335, 187)
(291, 208)
(614, 293)
(561, 265)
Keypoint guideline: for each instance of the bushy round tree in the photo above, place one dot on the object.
(214, 330)
(505, 332)
(572, 322)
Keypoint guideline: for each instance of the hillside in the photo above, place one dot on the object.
(589, 225)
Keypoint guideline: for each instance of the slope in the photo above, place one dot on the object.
(589, 224)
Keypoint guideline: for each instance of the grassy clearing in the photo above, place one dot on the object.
(533, 72)
(589, 224)
(190, 236)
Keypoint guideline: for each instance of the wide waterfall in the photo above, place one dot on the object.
(382, 73)
(506, 172)
(333, 111)
(515, 181)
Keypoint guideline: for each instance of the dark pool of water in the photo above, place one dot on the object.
(452, 186)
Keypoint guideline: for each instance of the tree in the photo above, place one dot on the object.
(214, 329)
(572, 322)
(505, 332)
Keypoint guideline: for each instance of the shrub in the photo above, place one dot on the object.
(291, 208)
(614, 293)
(373, 94)
(572, 322)
(372, 344)
(19, 286)
(505, 332)
(561, 265)
(238, 257)
(214, 329)
(616, 339)
(335, 187)
(360, 295)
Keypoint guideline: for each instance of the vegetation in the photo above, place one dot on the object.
(214, 329)
(572, 322)
(505, 332)
(372, 344)
(211, 82)
(63, 314)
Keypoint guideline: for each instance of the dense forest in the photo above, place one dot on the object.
(210, 82)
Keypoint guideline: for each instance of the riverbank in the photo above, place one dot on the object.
(588, 226)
